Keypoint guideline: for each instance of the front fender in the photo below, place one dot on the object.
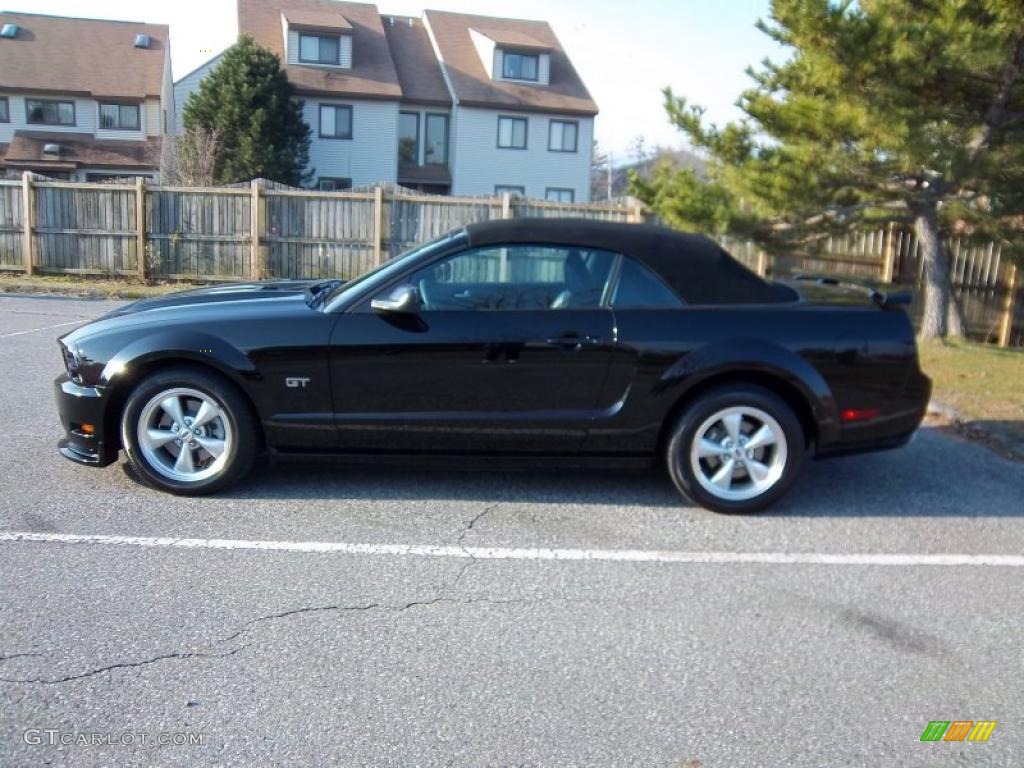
(204, 348)
(736, 356)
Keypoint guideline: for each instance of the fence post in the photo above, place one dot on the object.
(27, 206)
(378, 225)
(255, 269)
(140, 222)
(1006, 321)
(506, 205)
(762, 263)
(888, 256)
(636, 213)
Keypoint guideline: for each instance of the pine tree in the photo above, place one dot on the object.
(908, 111)
(248, 103)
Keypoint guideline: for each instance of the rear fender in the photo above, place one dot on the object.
(738, 356)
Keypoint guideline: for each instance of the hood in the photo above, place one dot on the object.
(219, 294)
(210, 305)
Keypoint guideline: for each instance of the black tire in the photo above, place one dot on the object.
(786, 463)
(240, 452)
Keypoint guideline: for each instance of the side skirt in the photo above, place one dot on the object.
(475, 461)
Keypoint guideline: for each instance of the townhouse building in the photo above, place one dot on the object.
(83, 99)
(445, 103)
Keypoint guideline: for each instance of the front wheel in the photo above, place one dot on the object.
(189, 432)
(736, 449)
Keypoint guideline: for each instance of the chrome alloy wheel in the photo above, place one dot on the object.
(185, 435)
(738, 453)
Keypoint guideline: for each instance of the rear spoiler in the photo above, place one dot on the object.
(885, 300)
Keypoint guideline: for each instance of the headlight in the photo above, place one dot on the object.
(71, 363)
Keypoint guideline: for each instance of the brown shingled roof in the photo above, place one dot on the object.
(86, 56)
(372, 74)
(419, 72)
(512, 38)
(81, 149)
(473, 88)
(316, 19)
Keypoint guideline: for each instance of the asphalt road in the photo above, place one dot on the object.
(483, 645)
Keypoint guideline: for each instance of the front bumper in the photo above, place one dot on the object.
(78, 405)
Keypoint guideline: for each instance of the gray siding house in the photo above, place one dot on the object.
(447, 103)
(83, 99)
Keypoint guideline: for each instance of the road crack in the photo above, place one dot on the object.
(444, 595)
(123, 665)
(453, 585)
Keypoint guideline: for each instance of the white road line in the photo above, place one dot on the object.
(503, 553)
(44, 328)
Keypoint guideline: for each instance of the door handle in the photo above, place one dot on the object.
(574, 342)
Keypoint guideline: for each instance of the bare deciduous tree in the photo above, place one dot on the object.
(192, 157)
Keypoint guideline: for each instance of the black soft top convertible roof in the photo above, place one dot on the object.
(693, 265)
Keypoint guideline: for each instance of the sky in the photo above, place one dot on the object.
(625, 50)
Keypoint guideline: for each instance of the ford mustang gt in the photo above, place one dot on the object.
(526, 341)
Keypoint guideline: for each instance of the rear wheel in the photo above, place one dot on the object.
(736, 449)
(189, 432)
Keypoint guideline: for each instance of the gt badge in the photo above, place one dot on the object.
(296, 382)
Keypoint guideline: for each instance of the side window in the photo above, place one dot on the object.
(516, 277)
(639, 288)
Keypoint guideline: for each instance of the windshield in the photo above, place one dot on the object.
(383, 273)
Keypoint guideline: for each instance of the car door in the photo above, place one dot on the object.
(507, 351)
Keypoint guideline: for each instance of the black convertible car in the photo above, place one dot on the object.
(523, 340)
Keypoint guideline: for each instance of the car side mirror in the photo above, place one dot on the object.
(403, 298)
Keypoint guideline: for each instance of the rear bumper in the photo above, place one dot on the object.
(78, 405)
(893, 429)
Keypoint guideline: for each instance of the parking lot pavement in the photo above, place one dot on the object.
(372, 616)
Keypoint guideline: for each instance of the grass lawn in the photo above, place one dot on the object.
(86, 287)
(982, 382)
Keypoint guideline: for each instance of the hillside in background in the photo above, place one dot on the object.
(679, 158)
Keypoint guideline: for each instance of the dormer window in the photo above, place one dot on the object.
(513, 55)
(317, 37)
(319, 49)
(520, 66)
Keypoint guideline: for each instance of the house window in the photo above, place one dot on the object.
(409, 138)
(562, 135)
(317, 49)
(119, 117)
(560, 195)
(436, 147)
(501, 189)
(47, 112)
(333, 184)
(335, 121)
(116, 177)
(5, 110)
(519, 66)
(512, 132)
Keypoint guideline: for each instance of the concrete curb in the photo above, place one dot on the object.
(976, 432)
(941, 409)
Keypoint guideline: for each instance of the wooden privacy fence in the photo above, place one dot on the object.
(238, 232)
(263, 229)
(987, 284)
